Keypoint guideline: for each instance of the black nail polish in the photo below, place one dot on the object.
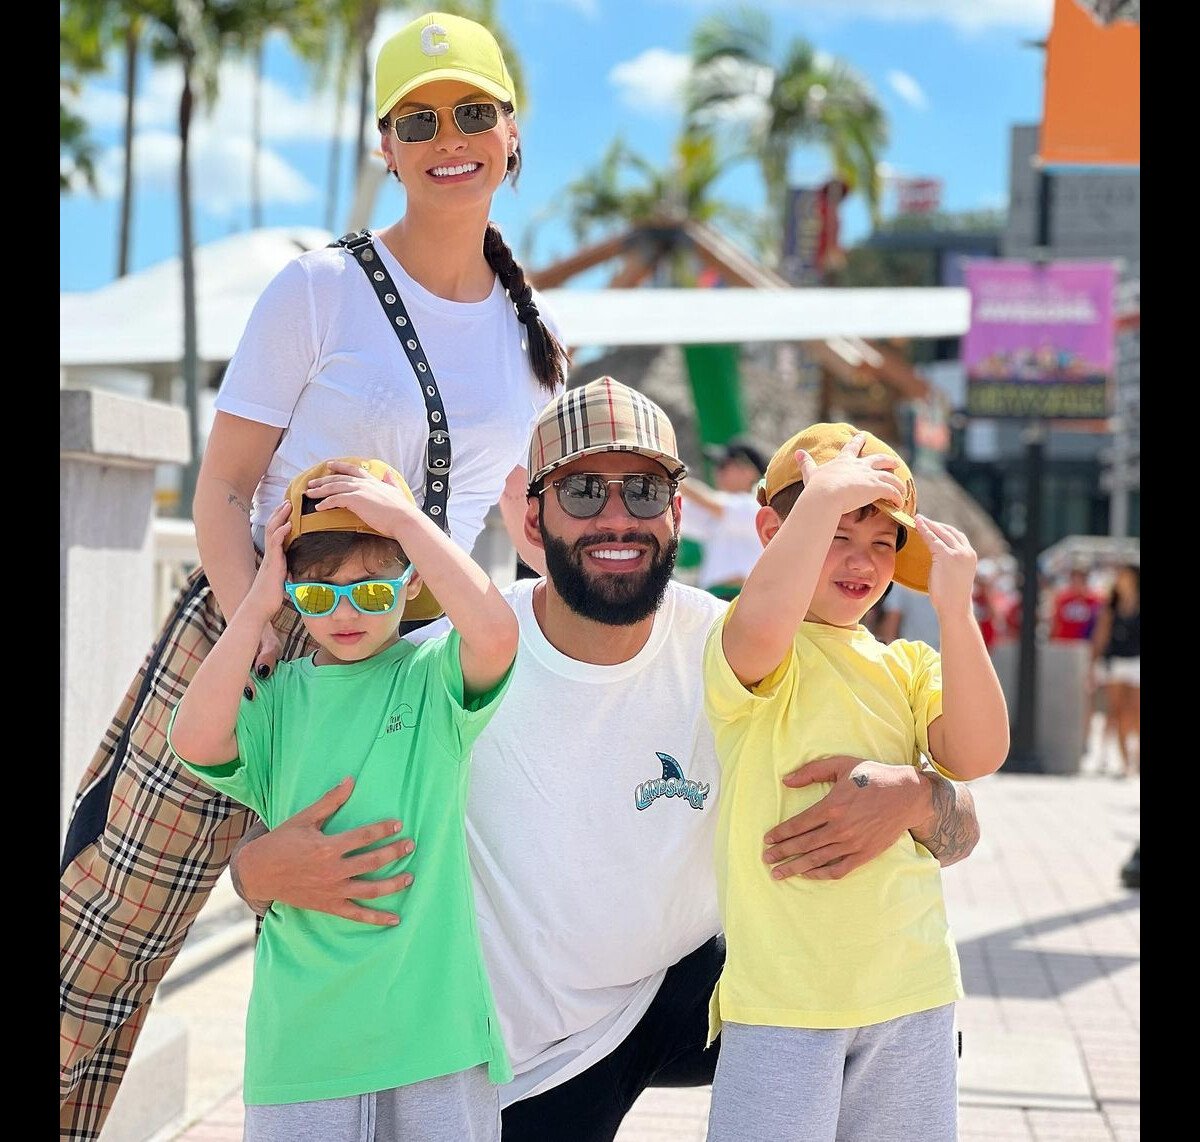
(263, 670)
(249, 693)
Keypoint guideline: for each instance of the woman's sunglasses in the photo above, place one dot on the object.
(369, 597)
(583, 494)
(470, 118)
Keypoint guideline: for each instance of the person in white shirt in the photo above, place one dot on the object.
(421, 344)
(591, 814)
(723, 522)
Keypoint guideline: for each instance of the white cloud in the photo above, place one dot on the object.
(652, 81)
(284, 115)
(967, 15)
(220, 170)
(908, 89)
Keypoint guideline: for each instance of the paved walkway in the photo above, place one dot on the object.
(1050, 950)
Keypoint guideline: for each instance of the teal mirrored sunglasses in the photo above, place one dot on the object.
(370, 596)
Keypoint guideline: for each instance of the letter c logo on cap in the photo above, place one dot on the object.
(427, 40)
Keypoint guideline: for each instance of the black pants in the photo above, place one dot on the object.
(666, 1048)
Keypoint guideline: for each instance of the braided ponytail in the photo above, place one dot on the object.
(547, 356)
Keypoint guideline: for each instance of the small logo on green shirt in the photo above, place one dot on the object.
(401, 718)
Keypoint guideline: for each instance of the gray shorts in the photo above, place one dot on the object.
(463, 1107)
(890, 1081)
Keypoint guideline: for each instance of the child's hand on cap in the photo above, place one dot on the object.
(952, 573)
(374, 500)
(850, 480)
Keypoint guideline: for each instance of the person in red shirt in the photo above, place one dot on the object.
(1073, 614)
(984, 608)
(1074, 609)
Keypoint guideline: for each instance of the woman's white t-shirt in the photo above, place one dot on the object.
(320, 360)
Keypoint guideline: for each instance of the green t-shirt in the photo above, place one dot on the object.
(337, 1007)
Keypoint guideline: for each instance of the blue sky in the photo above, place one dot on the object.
(952, 75)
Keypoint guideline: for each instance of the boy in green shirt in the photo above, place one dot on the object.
(390, 1029)
(837, 995)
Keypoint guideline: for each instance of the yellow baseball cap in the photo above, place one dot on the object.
(440, 46)
(305, 519)
(825, 441)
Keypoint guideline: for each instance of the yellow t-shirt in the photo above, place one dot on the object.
(874, 945)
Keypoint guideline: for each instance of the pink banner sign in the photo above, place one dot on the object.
(1040, 342)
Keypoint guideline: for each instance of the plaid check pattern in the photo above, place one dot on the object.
(601, 416)
(129, 893)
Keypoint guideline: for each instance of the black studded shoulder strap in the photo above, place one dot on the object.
(437, 449)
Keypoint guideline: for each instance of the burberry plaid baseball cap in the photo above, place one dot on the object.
(306, 520)
(825, 441)
(601, 416)
(440, 46)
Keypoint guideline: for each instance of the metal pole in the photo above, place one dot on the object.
(1118, 502)
(1023, 756)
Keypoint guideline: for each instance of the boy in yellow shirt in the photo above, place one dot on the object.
(836, 1003)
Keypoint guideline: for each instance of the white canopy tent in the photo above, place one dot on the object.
(135, 323)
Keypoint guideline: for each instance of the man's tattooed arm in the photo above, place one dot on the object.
(952, 829)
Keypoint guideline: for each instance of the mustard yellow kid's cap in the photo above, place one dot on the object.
(305, 519)
(825, 441)
(440, 46)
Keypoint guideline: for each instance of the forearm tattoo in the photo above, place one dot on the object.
(954, 828)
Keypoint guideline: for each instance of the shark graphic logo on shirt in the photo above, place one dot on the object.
(671, 784)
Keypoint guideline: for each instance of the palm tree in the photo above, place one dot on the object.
(131, 36)
(603, 198)
(805, 99)
(194, 33)
(325, 44)
(304, 21)
(81, 53)
(101, 26)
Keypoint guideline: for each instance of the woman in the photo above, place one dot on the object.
(1117, 663)
(321, 371)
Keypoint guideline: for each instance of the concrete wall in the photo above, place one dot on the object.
(1060, 733)
(109, 445)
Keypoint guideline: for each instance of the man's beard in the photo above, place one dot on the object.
(616, 600)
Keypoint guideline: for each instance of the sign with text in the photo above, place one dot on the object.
(1040, 342)
(918, 195)
(810, 233)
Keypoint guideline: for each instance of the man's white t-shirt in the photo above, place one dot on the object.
(590, 825)
(731, 543)
(320, 359)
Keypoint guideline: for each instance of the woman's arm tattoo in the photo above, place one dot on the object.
(953, 828)
(236, 500)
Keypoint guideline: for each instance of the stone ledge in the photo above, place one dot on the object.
(106, 426)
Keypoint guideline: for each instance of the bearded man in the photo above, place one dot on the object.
(591, 810)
